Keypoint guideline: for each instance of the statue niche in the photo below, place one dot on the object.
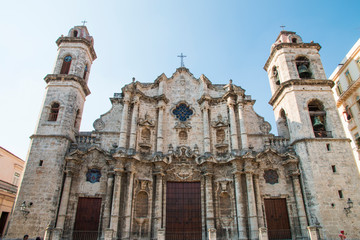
(146, 134)
(220, 127)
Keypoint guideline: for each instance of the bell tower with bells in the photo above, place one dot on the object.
(306, 114)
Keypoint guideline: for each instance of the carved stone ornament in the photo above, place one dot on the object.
(93, 175)
(99, 124)
(265, 128)
(271, 176)
(146, 121)
(220, 122)
(182, 125)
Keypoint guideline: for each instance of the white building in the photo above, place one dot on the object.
(347, 95)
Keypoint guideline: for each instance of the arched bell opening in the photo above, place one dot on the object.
(303, 67)
(318, 119)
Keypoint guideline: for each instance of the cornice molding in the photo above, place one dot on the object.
(300, 82)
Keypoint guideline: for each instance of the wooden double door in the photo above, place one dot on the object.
(277, 218)
(87, 219)
(183, 211)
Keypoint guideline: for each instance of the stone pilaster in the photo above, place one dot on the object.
(205, 110)
(233, 129)
(63, 204)
(263, 234)
(252, 217)
(128, 204)
(259, 202)
(209, 201)
(124, 122)
(115, 210)
(157, 224)
(240, 208)
(160, 139)
(107, 209)
(299, 202)
(243, 133)
(134, 117)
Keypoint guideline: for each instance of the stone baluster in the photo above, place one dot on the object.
(243, 134)
(124, 122)
(135, 112)
(205, 109)
(299, 202)
(258, 202)
(115, 210)
(63, 205)
(128, 204)
(252, 218)
(158, 173)
(233, 129)
(240, 208)
(107, 210)
(159, 144)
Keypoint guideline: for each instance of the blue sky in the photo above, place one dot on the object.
(142, 38)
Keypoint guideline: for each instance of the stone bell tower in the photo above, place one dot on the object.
(305, 112)
(59, 121)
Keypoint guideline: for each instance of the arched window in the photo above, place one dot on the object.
(66, 65)
(220, 136)
(54, 112)
(85, 71)
(183, 135)
(302, 65)
(318, 117)
(145, 135)
(141, 205)
(347, 113)
(225, 205)
(275, 74)
(75, 33)
(294, 40)
(282, 124)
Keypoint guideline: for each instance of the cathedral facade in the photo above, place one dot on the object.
(182, 158)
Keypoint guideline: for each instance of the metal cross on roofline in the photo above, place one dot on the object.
(282, 27)
(83, 22)
(182, 59)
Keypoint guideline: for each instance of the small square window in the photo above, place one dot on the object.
(340, 194)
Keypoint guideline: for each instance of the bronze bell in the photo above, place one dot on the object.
(317, 122)
(304, 71)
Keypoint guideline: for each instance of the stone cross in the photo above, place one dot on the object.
(182, 59)
(84, 22)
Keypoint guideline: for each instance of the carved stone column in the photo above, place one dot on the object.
(258, 202)
(107, 209)
(233, 129)
(128, 203)
(157, 225)
(240, 208)
(243, 134)
(115, 210)
(209, 201)
(63, 205)
(124, 122)
(205, 109)
(134, 125)
(299, 202)
(252, 217)
(159, 144)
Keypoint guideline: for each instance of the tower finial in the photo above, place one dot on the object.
(282, 27)
(84, 22)
(182, 59)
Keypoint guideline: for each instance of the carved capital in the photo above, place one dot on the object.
(231, 102)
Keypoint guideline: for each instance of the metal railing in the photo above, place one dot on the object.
(323, 134)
